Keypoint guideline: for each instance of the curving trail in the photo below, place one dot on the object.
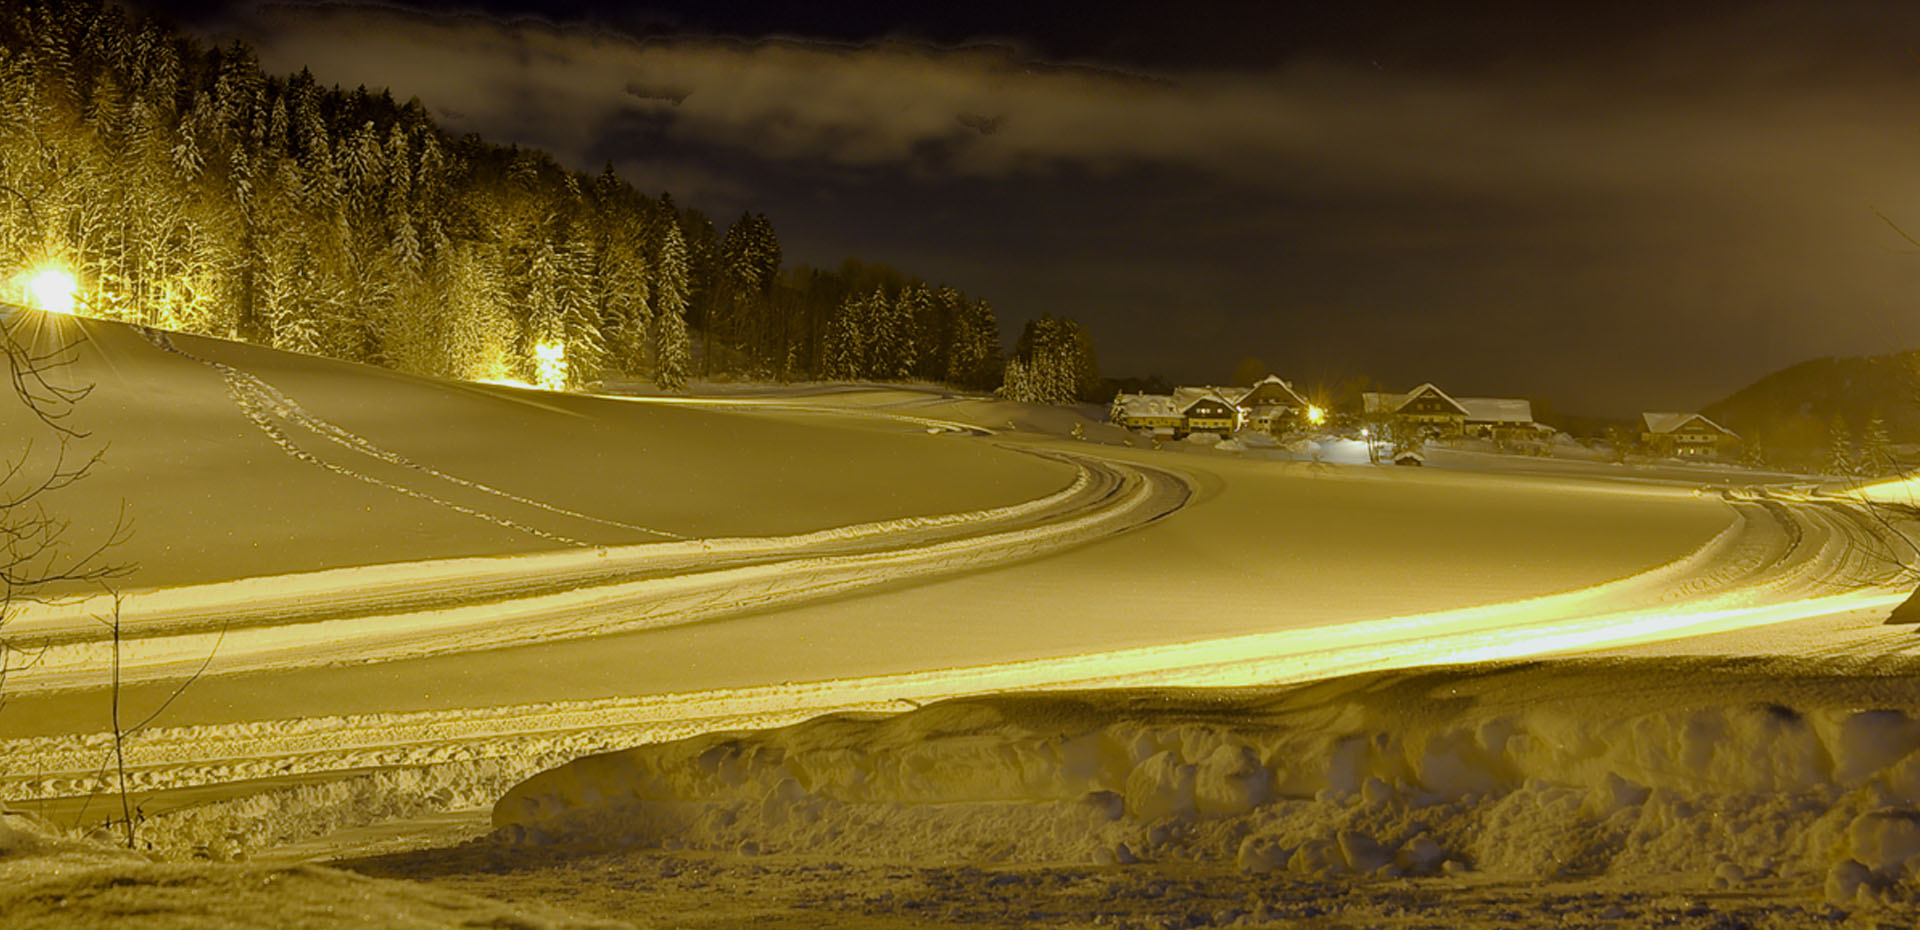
(1784, 558)
(412, 610)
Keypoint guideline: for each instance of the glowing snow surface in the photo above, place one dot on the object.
(1727, 774)
(1160, 568)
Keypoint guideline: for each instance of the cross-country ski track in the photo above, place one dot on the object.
(1781, 556)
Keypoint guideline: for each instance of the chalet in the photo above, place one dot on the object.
(1270, 400)
(1685, 435)
(1151, 412)
(1426, 407)
(1206, 410)
(1501, 419)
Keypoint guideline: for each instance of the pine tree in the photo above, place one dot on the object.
(673, 362)
(1876, 448)
(845, 357)
(544, 335)
(1016, 385)
(579, 312)
(1840, 460)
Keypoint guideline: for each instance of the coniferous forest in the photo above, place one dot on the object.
(185, 188)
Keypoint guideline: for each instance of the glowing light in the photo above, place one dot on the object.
(550, 365)
(52, 290)
(1315, 415)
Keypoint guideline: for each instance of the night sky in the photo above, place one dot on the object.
(1612, 207)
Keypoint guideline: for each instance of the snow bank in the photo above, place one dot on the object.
(1728, 773)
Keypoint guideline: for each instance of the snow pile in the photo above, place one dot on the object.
(1728, 773)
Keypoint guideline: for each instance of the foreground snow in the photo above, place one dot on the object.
(47, 881)
(1709, 775)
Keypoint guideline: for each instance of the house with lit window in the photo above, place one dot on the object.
(1425, 407)
(1213, 409)
(1441, 415)
(1686, 436)
(1271, 401)
(1206, 410)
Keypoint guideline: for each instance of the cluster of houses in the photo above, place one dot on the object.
(1222, 410)
(1272, 403)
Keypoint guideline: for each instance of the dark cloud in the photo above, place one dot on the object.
(1650, 216)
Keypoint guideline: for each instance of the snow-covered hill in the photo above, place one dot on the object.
(235, 461)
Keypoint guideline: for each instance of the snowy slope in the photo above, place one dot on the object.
(236, 461)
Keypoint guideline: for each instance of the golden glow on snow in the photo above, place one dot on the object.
(1315, 415)
(52, 290)
(550, 365)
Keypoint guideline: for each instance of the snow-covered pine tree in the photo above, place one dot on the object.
(1876, 448)
(1016, 385)
(845, 356)
(673, 358)
(928, 320)
(1840, 460)
(579, 312)
(543, 336)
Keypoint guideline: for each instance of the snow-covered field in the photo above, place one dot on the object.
(402, 596)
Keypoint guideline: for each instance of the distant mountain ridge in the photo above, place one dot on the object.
(1794, 408)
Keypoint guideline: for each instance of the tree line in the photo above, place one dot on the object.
(187, 189)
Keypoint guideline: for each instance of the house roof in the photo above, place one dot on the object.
(1293, 396)
(1185, 397)
(1497, 409)
(1382, 402)
(1662, 423)
(1145, 405)
(1229, 393)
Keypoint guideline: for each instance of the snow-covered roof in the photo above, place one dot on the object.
(1497, 409)
(1227, 392)
(1384, 402)
(1661, 423)
(1185, 397)
(1292, 395)
(1145, 405)
(1381, 401)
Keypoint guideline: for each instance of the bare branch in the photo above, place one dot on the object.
(1896, 228)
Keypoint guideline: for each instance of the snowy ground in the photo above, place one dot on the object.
(629, 571)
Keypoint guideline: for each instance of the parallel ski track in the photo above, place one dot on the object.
(1781, 560)
(411, 611)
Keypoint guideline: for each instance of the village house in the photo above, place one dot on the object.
(1686, 436)
(1271, 401)
(1426, 407)
(1501, 419)
(1207, 410)
(1153, 413)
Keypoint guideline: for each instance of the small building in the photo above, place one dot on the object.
(1686, 436)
